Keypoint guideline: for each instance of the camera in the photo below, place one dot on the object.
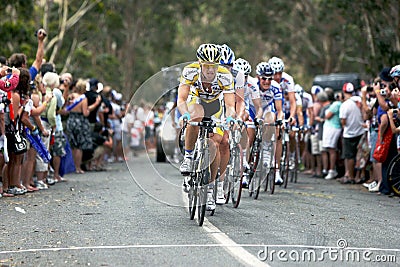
(383, 92)
(370, 89)
(32, 85)
(9, 70)
(4, 99)
(37, 31)
(395, 111)
(61, 81)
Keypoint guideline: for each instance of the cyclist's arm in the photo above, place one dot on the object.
(279, 111)
(229, 99)
(311, 116)
(183, 93)
(240, 105)
(257, 105)
(292, 100)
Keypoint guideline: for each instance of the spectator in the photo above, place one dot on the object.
(323, 99)
(50, 81)
(352, 123)
(15, 116)
(332, 131)
(78, 126)
(93, 101)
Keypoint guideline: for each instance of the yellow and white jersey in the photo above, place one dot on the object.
(223, 82)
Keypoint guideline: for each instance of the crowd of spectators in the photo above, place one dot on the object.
(52, 124)
(355, 134)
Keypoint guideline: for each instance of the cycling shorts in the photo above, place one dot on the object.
(213, 110)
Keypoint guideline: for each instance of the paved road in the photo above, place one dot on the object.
(111, 219)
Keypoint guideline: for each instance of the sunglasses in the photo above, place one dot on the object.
(265, 78)
(209, 64)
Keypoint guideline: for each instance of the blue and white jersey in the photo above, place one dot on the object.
(251, 92)
(287, 82)
(269, 96)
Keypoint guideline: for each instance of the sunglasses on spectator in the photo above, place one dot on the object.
(265, 78)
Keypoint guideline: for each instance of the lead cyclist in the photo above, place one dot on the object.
(205, 87)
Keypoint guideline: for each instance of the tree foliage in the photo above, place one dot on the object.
(123, 42)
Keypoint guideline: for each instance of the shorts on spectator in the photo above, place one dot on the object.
(321, 147)
(59, 144)
(331, 137)
(350, 147)
(315, 149)
(98, 152)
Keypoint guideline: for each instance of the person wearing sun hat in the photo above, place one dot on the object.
(352, 122)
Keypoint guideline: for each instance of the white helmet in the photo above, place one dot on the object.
(298, 89)
(276, 64)
(243, 65)
(227, 55)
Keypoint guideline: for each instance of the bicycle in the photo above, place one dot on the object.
(393, 174)
(200, 176)
(267, 154)
(255, 153)
(234, 170)
(288, 165)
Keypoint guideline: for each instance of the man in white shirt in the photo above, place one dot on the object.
(352, 121)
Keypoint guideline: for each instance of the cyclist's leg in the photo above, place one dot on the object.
(196, 113)
(224, 155)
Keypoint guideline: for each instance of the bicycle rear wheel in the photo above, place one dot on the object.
(236, 190)
(394, 174)
(271, 180)
(259, 177)
(285, 166)
(254, 158)
(192, 195)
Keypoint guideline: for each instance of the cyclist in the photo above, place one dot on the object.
(271, 103)
(204, 87)
(286, 82)
(252, 110)
(299, 118)
(227, 59)
(308, 118)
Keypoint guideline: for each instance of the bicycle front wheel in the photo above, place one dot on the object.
(192, 195)
(236, 190)
(202, 196)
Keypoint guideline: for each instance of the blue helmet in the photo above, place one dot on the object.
(264, 68)
(227, 55)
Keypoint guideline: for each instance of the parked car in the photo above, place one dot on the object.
(166, 136)
(336, 80)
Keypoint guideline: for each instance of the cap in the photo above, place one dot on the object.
(348, 88)
(93, 82)
(316, 89)
(385, 75)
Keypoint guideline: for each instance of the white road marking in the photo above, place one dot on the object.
(236, 250)
(231, 246)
